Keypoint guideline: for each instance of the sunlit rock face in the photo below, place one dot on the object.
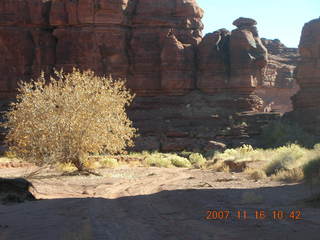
(248, 56)
(278, 77)
(187, 86)
(156, 46)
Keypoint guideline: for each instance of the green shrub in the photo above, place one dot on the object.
(243, 153)
(197, 160)
(71, 116)
(166, 160)
(287, 158)
(311, 171)
(180, 161)
(280, 133)
(184, 154)
(158, 160)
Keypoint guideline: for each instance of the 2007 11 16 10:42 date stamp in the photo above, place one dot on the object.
(258, 214)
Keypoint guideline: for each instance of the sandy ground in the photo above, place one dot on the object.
(152, 203)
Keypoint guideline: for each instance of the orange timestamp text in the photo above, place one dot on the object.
(258, 214)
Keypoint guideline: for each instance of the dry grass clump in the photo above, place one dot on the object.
(218, 166)
(255, 174)
(240, 154)
(166, 160)
(290, 176)
(197, 160)
(287, 158)
(108, 163)
(180, 161)
(290, 163)
(71, 116)
(311, 171)
(158, 160)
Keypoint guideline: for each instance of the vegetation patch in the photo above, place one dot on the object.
(290, 176)
(68, 118)
(280, 133)
(255, 174)
(287, 158)
(311, 171)
(197, 160)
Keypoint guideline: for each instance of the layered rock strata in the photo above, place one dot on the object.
(278, 82)
(182, 82)
(27, 43)
(157, 47)
(149, 43)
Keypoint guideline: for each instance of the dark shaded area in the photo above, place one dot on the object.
(283, 132)
(15, 190)
(178, 214)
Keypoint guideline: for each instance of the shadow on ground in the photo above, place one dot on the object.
(178, 214)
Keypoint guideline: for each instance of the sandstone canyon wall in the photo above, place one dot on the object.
(306, 102)
(188, 87)
(278, 82)
(150, 43)
(156, 46)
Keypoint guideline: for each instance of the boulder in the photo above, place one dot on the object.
(244, 22)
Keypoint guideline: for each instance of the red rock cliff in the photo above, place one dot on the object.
(151, 43)
(187, 87)
(306, 102)
(156, 45)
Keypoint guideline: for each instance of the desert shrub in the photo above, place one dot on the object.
(197, 160)
(184, 154)
(158, 160)
(255, 174)
(311, 171)
(109, 162)
(290, 176)
(279, 133)
(243, 153)
(166, 160)
(69, 117)
(218, 166)
(180, 161)
(287, 158)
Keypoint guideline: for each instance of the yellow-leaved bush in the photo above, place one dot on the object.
(69, 117)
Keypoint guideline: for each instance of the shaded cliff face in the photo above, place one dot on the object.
(27, 44)
(308, 71)
(307, 101)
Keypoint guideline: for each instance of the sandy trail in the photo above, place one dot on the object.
(152, 203)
